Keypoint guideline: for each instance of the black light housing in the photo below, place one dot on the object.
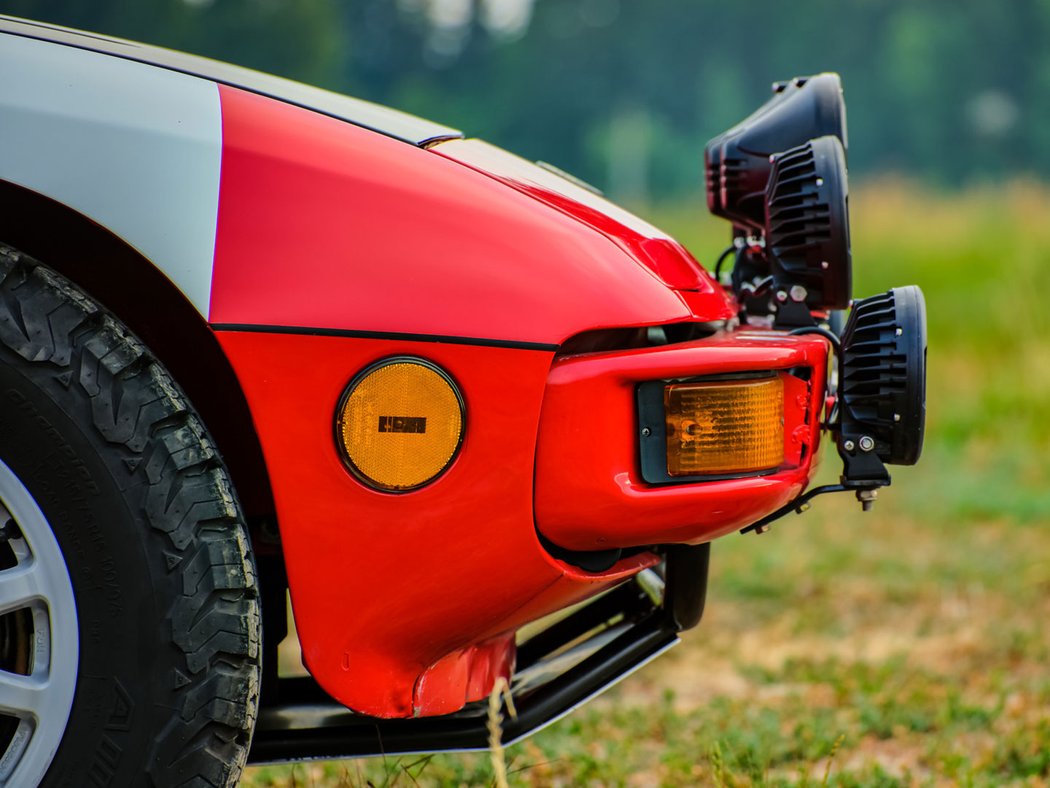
(737, 162)
(882, 379)
(881, 396)
(807, 223)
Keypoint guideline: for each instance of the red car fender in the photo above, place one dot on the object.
(325, 225)
(392, 592)
(663, 255)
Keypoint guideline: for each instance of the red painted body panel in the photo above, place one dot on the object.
(386, 587)
(664, 256)
(589, 490)
(327, 225)
(407, 604)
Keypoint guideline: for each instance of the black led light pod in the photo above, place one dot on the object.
(807, 223)
(737, 162)
(882, 379)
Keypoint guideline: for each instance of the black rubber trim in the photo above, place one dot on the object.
(587, 560)
(688, 567)
(340, 332)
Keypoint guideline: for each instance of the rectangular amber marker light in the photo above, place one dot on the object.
(724, 427)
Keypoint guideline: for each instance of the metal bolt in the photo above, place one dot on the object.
(899, 332)
(820, 181)
(782, 296)
(825, 264)
(896, 417)
(867, 499)
(867, 443)
(798, 293)
(848, 445)
(646, 432)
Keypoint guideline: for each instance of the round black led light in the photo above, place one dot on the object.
(736, 162)
(807, 222)
(882, 380)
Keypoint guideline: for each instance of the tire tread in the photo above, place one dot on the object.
(189, 506)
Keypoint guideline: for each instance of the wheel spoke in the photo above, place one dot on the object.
(22, 696)
(38, 616)
(19, 741)
(19, 586)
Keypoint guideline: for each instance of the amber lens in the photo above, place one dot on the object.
(724, 427)
(400, 424)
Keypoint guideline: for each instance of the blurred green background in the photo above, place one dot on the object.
(623, 93)
(907, 646)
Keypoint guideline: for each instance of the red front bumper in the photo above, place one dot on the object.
(589, 491)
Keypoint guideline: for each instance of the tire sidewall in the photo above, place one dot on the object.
(87, 492)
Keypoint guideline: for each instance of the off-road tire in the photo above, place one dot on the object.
(151, 533)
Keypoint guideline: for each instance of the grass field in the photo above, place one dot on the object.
(906, 646)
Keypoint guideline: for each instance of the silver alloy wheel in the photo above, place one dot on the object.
(38, 583)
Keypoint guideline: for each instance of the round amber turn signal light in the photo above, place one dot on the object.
(400, 423)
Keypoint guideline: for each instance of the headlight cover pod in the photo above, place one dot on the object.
(882, 388)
